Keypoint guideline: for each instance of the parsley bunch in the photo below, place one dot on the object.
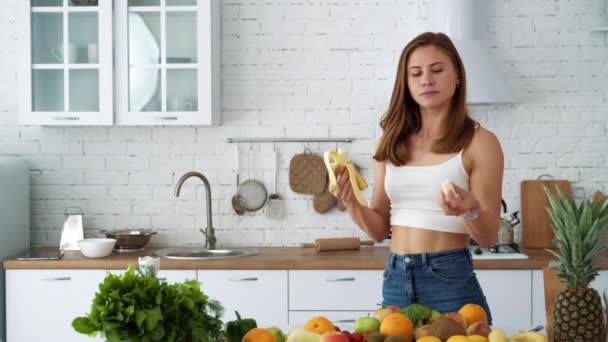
(137, 307)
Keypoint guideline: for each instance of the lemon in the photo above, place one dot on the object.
(429, 339)
(478, 338)
(458, 338)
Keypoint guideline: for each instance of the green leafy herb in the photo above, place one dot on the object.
(136, 306)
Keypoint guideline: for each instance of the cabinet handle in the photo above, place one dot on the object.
(351, 320)
(243, 279)
(162, 279)
(341, 279)
(159, 118)
(56, 278)
(66, 118)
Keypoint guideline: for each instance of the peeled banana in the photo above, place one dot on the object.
(340, 158)
(497, 335)
(529, 336)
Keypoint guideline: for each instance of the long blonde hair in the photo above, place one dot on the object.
(402, 119)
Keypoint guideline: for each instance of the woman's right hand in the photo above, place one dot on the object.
(344, 191)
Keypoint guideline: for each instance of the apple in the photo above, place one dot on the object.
(381, 313)
(279, 335)
(333, 336)
(357, 337)
(302, 335)
(367, 324)
(479, 328)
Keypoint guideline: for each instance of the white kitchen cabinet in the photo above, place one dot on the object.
(170, 276)
(66, 63)
(41, 304)
(167, 62)
(509, 295)
(258, 294)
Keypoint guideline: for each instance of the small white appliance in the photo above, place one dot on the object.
(14, 219)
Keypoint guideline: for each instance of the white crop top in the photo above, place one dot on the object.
(413, 192)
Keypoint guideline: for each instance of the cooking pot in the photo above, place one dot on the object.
(507, 223)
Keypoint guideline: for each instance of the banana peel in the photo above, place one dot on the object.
(530, 336)
(340, 158)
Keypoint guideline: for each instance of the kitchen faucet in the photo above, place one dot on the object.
(209, 233)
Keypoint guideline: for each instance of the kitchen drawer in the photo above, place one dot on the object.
(41, 304)
(170, 276)
(259, 294)
(345, 320)
(351, 290)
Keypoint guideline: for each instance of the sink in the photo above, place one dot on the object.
(200, 253)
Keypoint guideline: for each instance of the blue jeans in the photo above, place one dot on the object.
(443, 281)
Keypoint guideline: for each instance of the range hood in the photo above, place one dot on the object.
(459, 19)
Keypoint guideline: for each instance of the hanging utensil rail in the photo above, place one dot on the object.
(287, 140)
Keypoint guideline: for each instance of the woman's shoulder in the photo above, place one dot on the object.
(484, 146)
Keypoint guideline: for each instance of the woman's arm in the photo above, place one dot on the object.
(375, 219)
(485, 182)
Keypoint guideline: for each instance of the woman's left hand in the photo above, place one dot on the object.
(458, 202)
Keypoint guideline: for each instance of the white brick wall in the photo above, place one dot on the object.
(315, 68)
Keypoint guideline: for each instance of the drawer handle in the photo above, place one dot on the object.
(56, 278)
(158, 118)
(66, 118)
(352, 320)
(162, 279)
(243, 279)
(341, 279)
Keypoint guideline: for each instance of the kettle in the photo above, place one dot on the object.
(507, 223)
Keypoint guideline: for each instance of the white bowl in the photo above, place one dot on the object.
(96, 248)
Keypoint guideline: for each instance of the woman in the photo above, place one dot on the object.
(428, 137)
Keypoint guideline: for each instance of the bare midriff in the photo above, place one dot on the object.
(408, 240)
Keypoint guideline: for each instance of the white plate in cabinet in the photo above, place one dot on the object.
(41, 304)
(345, 320)
(258, 294)
(168, 63)
(352, 290)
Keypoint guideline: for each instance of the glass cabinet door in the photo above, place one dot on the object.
(68, 70)
(167, 63)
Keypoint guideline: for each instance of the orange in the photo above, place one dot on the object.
(473, 313)
(397, 323)
(259, 335)
(319, 324)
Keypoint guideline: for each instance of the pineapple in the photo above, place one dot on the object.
(581, 234)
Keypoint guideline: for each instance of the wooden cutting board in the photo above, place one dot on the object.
(535, 222)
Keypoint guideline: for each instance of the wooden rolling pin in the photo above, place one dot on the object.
(338, 244)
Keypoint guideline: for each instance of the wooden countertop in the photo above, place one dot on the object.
(273, 258)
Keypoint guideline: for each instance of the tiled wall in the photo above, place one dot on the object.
(315, 69)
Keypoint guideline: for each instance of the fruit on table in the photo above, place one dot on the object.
(374, 337)
(258, 335)
(428, 339)
(473, 313)
(342, 160)
(319, 324)
(458, 317)
(458, 338)
(477, 338)
(423, 331)
(384, 311)
(333, 336)
(444, 327)
(302, 335)
(580, 233)
(479, 328)
(367, 324)
(235, 330)
(397, 324)
(396, 338)
(278, 334)
(497, 335)
(529, 336)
